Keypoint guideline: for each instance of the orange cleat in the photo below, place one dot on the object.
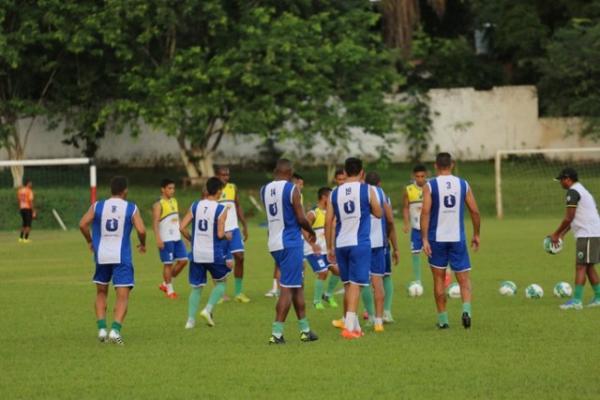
(172, 295)
(351, 335)
(163, 287)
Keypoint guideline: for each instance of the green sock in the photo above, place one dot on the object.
(216, 294)
(116, 326)
(277, 329)
(467, 308)
(303, 325)
(416, 266)
(333, 281)
(367, 297)
(194, 302)
(578, 293)
(318, 290)
(101, 323)
(596, 291)
(388, 287)
(238, 285)
(443, 318)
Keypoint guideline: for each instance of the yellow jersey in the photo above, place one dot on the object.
(168, 225)
(228, 200)
(415, 204)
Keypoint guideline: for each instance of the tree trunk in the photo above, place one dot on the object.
(198, 161)
(14, 148)
(206, 163)
(188, 162)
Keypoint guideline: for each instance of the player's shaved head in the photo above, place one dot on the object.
(118, 185)
(222, 169)
(213, 185)
(353, 166)
(443, 160)
(323, 192)
(284, 169)
(373, 178)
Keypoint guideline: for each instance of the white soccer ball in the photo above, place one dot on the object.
(550, 248)
(507, 288)
(453, 291)
(562, 289)
(534, 291)
(415, 289)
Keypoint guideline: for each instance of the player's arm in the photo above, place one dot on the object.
(300, 217)
(405, 212)
(84, 226)
(183, 224)
(391, 231)
(425, 215)
(375, 206)
(329, 232)
(33, 211)
(221, 226)
(475, 218)
(573, 198)
(310, 217)
(138, 224)
(156, 211)
(241, 216)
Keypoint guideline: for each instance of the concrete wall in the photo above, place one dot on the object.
(471, 124)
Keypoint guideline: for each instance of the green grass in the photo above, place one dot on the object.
(516, 348)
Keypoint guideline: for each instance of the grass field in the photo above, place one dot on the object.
(516, 348)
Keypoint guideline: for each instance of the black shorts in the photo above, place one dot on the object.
(27, 216)
(588, 250)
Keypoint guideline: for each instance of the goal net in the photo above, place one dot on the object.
(525, 179)
(66, 186)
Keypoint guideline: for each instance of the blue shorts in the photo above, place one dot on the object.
(197, 274)
(173, 250)
(291, 266)
(235, 245)
(317, 263)
(377, 261)
(121, 275)
(453, 253)
(388, 261)
(354, 263)
(416, 242)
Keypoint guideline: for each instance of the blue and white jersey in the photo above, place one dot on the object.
(379, 225)
(111, 231)
(284, 230)
(448, 194)
(352, 210)
(207, 248)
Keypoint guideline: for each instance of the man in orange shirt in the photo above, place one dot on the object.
(25, 199)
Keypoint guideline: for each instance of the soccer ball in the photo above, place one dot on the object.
(508, 288)
(563, 289)
(415, 289)
(534, 291)
(550, 248)
(453, 291)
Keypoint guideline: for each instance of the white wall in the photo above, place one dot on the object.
(470, 124)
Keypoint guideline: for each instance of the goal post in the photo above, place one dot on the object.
(531, 172)
(58, 162)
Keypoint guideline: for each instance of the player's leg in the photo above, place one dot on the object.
(167, 259)
(592, 274)
(576, 302)
(388, 287)
(438, 262)
(290, 265)
(319, 267)
(100, 305)
(377, 282)
(341, 256)
(358, 274)
(334, 279)
(460, 263)
(22, 235)
(366, 295)
(416, 245)
(306, 335)
(464, 281)
(219, 274)
(274, 291)
(236, 245)
(197, 279)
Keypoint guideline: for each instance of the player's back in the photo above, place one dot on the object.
(587, 221)
(111, 230)
(448, 194)
(206, 245)
(169, 220)
(352, 210)
(284, 230)
(25, 196)
(378, 225)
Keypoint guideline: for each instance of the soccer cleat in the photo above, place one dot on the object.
(572, 305)
(21, 240)
(276, 340)
(319, 306)
(271, 293)
(594, 303)
(387, 317)
(378, 328)
(172, 295)
(309, 336)
(163, 287)
(351, 335)
(115, 337)
(191, 323)
(443, 326)
(102, 335)
(330, 300)
(26, 241)
(466, 320)
(207, 317)
(223, 299)
(338, 323)
(242, 298)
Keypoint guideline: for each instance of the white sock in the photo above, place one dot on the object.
(274, 285)
(208, 308)
(169, 288)
(349, 320)
(356, 324)
(378, 321)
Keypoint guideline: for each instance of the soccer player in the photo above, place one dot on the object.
(165, 223)
(582, 217)
(443, 234)
(351, 204)
(315, 253)
(112, 221)
(286, 218)
(235, 246)
(208, 219)
(412, 201)
(25, 199)
(340, 177)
